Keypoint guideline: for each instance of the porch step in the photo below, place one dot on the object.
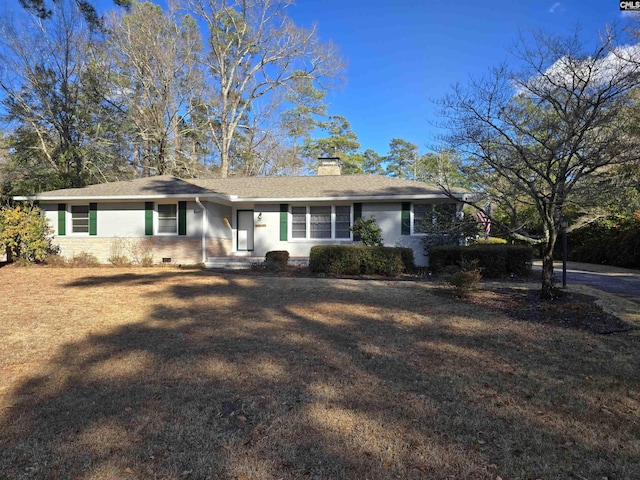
(233, 263)
(245, 263)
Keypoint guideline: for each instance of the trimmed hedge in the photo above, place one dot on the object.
(407, 258)
(281, 257)
(360, 260)
(606, 242)
(496, 261)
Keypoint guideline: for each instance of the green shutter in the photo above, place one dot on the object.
(284, 222)
(406, 218)
(62, 217)
(148, 218)
(357, 215)
(182, 218)
(93, 220)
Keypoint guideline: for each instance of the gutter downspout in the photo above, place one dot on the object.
(204, 224)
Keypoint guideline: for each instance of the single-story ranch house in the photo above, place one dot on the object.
(191, 221)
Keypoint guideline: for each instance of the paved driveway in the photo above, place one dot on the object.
(619, 281)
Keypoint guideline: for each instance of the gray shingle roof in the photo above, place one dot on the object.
(255, 188)
(159, 185)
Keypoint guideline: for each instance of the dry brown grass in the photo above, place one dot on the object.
(163, 373)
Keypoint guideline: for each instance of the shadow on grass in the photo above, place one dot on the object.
(232, 376)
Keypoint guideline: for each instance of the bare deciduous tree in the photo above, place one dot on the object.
(538, 135)
(155, 81)
(254, 50)
(56, 122)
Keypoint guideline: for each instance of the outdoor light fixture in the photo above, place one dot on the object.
(564, 224)
(260, 216)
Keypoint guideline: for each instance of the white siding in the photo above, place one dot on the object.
(267, 232)
(50, 212)
(127, 219)
(218, 227)
(119, 220)
(388, 216)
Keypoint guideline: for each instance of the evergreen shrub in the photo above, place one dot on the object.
(368, 232)
(609, 242)
(358, 260)
(495, 261)
(277, 258)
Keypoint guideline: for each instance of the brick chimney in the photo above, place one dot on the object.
(329, 166)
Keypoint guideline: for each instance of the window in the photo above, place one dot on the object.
(298, 222)
(343, 222)
(321, 222)
(426, 215)
(167, 218)
(421, 214)
(80, 218)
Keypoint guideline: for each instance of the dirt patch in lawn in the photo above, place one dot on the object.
(172, 374)
(571, 310)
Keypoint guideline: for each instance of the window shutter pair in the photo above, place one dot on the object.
(62, 219)
(284, 219)
(182, 218)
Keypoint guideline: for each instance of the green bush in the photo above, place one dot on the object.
(280, 257)
(407, 258)
(368, 232)
(275, 260)
(385, 261)
(610, 242)
(357, 260)
(496, 261)
(24, 233)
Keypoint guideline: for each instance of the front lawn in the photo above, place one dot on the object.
(171, 374)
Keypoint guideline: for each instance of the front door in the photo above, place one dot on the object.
(245, 231)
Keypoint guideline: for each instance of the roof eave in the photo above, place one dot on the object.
(360, 198)
(115, 198)
(229, 199)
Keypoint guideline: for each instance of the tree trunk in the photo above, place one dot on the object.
(224, 159)
(549, 291)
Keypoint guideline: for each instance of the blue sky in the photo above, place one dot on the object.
(404, 54)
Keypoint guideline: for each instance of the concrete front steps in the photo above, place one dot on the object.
(245, 263)
(233, 263)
